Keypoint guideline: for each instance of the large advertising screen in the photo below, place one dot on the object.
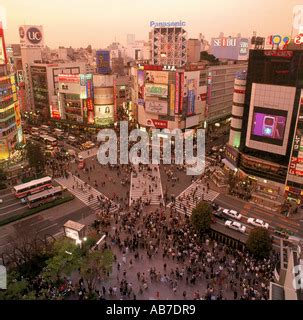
(160, 77)
(103, 62)
(156, 90)
(104, 115)
(269, 125)
(156, 106)
(104, 96)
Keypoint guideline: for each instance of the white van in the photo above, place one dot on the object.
(72, 139)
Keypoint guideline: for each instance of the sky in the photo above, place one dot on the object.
(78, 23)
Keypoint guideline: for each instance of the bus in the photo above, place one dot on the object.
(44, 197)
(45, 128)
(49, 140)
(59, 133)
(34, 186)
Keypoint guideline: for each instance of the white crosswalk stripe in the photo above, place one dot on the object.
(145, 181)
(73, 184)
(190, 197)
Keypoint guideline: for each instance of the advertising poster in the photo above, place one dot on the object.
(141, 87)
(156, 106)
(158, 124)
(191, 96)
(177, 101)
(103, 62)
(104, 115)
(158, 77)
(156, 90)
(115, 101)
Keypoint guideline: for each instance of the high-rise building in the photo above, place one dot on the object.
(265, 139)
(193, 50)
(169, 45)
(11, 136)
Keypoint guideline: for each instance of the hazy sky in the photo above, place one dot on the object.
(78, 23)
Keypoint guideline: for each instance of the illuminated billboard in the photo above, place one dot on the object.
(104, 96)
(104, 115)
(156, 90)
(158, 77)
(31, 36)
(270, 118)
(269, 125)
(156, 106)
(103, 62)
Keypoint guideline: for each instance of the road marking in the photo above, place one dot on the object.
(3, 236)
(11, 205)
(37, 222)
(53, 225)
(5, 213)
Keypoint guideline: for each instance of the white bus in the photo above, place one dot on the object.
(34, 186)
(59, 132)
(45, 128)
(49, 140)
(44, 197)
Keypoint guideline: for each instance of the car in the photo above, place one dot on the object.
(1, 200)
(232, 214)
(23, 200)
(49, 147)
(220, 215)
(258, 223)
(235, 226)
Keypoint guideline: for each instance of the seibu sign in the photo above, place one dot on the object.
(31, 36)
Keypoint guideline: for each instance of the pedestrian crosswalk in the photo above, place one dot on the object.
(146, 185)
(190, 197)
(87, 194)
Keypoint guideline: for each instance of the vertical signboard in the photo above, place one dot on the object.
(172, 99)
(3, 57)
(141, 87)
(103, 62)
(181, 91)
(115, 100)
(177, 101)
(31, 36)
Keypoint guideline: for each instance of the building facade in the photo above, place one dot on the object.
(169, 46)
(268, 147)
(11, 137)
(168, 99)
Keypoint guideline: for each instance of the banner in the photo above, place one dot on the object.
(156, 106)
(172, 98)
(177, 93)
(158, 124)
(141, 87)
(181, 91)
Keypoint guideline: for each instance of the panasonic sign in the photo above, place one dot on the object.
(154, 24)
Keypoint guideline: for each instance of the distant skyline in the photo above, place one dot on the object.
(78, 23)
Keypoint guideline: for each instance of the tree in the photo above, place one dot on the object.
(201, 217)
(259, 243)
(66, 257)
(35, 156)
(204, 55)
(96, 264)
